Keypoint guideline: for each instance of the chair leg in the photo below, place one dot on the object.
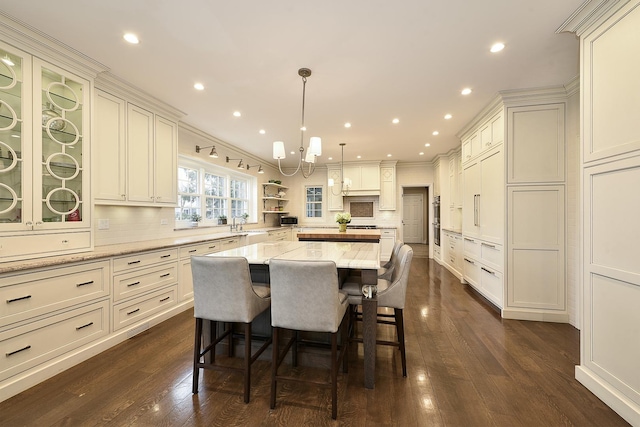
(213, 335)
(334, 375)
(274, 366)
(294, 353)
(196, 355)
(231, 349)
(344, 329)
(400, 328)
(247, 361)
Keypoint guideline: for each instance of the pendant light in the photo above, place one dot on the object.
(306, 163)
(345, 183)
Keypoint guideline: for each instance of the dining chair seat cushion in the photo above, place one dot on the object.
(262, 289)
(353, 288)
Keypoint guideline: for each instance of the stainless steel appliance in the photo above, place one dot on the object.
(288, 221)
(436, 220)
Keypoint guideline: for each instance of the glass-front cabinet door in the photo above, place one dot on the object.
(15, 140)
(43, 149)
(60, 149)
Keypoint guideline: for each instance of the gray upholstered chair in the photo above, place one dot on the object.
(305, 297)
(223, 292)
(392, 294)
(386, 270)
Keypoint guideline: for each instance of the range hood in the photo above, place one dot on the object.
(359, 193)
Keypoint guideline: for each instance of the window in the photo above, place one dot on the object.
(313, 202)
(211, 192)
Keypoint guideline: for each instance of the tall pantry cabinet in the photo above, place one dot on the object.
(610, 166)
(45, 134)
(513, 219)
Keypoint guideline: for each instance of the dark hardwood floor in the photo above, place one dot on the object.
(466, 367)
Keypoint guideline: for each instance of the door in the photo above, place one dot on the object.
(412, 214)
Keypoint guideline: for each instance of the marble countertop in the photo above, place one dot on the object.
(118, 250)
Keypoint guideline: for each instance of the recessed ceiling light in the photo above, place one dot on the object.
(421, 153)
(330, 158)
(359, 157)
(262, 131)
(435, 132)
(237, 114)
(427, 145)
(347, 125)
(303, 128)
(395, 121)
(447, 116)
(198, 86)
(388, 155)
(293, 152)
(466, 91)
(497, 47)
(131, 38)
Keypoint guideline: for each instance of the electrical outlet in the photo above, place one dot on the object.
(164, 221)
(103, 224)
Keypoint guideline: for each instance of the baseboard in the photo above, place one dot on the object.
(611, 396)
(27, 379)
(534, 315)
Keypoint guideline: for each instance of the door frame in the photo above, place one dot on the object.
(429, 212)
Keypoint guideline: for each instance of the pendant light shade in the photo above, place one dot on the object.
(278, 150)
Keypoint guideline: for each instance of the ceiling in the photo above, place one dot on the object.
(372, 61)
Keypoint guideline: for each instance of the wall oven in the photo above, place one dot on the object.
(436, 220)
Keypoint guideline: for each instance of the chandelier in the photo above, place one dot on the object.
(306, 163)
(345, 183)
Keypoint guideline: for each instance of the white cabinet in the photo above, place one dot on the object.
(365, 178)
(387, 240)
(282, 235)
(609, 204)
(451, 246)
(483, 197)
(334, 202)
(137, 151)
(387, 186)
(50, 312)
(44, 151)
(436, 177)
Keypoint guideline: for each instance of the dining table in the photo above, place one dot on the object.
(359, 256)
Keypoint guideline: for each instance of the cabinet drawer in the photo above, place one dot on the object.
(436, 252)
(32, 294)
(143, 259)
(227, 244)
(388, 232)
(130, 284)
(471, 247)
(471, 271)
(199, 249)
(32, 344)
(130, 312)
(491, 284)
(492, 255)
(36, 244)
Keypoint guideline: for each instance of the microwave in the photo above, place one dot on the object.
(288, 220)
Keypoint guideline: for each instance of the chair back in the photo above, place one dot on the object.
(394, 296)
(305, 295)
(387, 270)
(223, 291)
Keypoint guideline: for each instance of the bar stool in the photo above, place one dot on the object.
(223, 292)
(392, 294)
(305, 297)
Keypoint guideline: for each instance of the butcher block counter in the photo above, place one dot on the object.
(333, 235)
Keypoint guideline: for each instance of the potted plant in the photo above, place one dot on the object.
(195, 219)
(343, 218)
(222, 220)
(244, 217)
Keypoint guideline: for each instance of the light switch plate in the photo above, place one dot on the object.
(103, 224)
(164, 221)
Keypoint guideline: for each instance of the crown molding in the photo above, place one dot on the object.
(588, 13)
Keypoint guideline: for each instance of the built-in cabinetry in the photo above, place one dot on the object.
(50, 312)
(363, 179)
(451, 255)
(387, 240)
(513, 199)
(273, 200)
(44, 150)
(610, 206)
(282, 235)
(136, 147)
(387, 186)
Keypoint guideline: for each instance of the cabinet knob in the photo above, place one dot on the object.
(28, 224)
(124, 196)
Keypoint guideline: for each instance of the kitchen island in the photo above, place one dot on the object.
(333, 235)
